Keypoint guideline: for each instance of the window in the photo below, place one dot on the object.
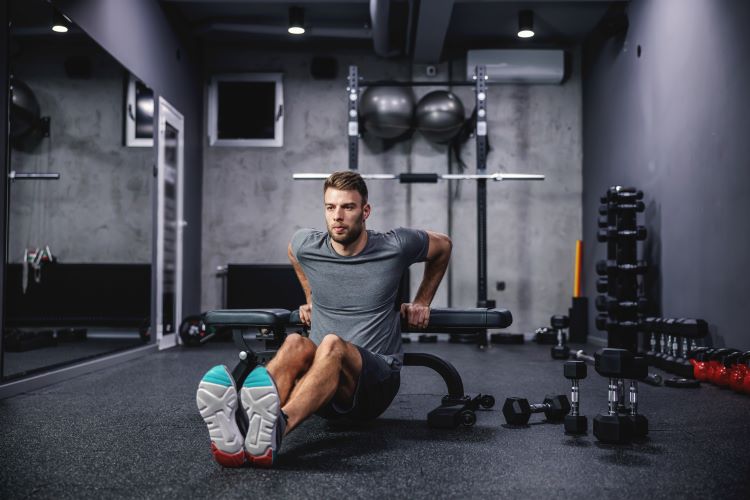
(246, 110)
(139, 114)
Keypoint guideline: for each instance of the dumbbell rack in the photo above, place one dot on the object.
(672, 341)
(620, 303)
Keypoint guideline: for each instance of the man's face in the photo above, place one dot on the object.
(345, 215)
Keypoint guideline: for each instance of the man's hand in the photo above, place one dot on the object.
(305, 313)
(417, 315)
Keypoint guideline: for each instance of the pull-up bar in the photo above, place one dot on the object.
(411, 178)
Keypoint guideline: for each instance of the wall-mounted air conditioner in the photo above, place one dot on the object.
(518, 65)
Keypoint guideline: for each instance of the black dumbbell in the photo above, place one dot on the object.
(611, 304)
(604, 267)
(602, 284)
(517, 411)
(559, 323)
(612, 427)
(575, 423)
(619, 195)
(605, 323)
(612, 233)
(637, 206)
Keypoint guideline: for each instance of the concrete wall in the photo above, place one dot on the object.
(673, 121)
(100, 209)
(139, 35)
(252, 206)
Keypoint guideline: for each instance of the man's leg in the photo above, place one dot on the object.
(293, 359)
(334, 374)
(262, 396)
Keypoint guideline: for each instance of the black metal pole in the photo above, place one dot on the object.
(481, 143)
(352, 118)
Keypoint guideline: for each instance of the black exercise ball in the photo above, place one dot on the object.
(440, 116)
(24, 109)
(387, 112)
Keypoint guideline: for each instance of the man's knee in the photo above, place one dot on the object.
(331, 346)
(300, 347)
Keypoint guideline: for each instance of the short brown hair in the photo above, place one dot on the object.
(347, 180)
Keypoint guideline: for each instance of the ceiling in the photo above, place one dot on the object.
(424, 30)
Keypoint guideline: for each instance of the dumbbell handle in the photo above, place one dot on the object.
(580, 354)
(612, 396)
(540, 407)
(574, 397)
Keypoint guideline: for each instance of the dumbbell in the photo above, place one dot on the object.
(611, 304)
(604, 267)
(517, 411)
(559, 323)
(621, 194)
(650, 379)
(602, 284)
(612, 233)
(683, 367)
(607, 207)
(575, 423)
(651, 325)
(605, 323)
(612, 427)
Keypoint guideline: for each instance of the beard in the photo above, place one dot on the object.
(347, 237)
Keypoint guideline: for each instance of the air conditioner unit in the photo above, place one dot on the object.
(518, 65)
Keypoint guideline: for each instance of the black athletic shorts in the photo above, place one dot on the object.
(377, 386)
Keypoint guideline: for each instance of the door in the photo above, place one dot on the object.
(170, 225)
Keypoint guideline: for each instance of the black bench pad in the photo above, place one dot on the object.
(441, 319)
(248, 317)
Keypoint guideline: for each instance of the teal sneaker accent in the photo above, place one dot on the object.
(259, 377)
(218, 375)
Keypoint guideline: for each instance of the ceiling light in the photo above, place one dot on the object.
(60, 23)
(525, 24)
(296, 20)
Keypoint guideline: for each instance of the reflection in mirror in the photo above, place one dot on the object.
(78, 276)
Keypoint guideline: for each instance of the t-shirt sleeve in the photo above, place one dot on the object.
(298, 238)
(414, 244)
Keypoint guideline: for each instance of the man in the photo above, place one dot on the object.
(350, 365)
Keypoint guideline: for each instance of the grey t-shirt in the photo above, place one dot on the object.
(354, 296)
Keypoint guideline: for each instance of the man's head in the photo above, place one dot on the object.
(346, 207)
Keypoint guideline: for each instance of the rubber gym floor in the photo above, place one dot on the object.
(133, 431)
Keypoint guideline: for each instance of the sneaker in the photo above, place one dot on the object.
(217, 403)
(266, 422)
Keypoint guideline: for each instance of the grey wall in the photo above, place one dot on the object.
(252, 206)
(674, 123)
(139, 35)
(100, 209)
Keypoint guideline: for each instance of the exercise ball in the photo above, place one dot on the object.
(387, 112)
(440, 116)
(24, 109)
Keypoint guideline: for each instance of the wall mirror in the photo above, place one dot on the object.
(79, 219)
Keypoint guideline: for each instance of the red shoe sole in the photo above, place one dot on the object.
(228, 459)
(265, 460)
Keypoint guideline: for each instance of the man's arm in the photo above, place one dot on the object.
(438, 257)
(305, 310)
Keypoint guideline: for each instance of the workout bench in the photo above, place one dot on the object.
(456, 407)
